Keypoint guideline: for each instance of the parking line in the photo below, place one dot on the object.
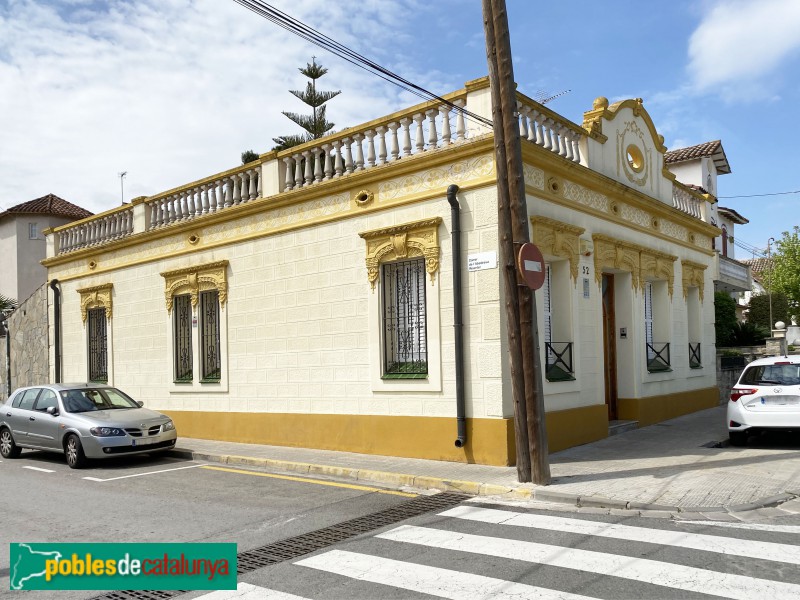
(140, 474)
(39, 469)
(350, 486)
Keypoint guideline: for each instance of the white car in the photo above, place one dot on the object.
(767, 396)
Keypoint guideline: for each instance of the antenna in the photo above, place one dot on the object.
(543, 98)
(121, 186)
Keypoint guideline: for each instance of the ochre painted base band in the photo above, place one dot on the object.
(489, 441)
(576, 426)
(655, 409)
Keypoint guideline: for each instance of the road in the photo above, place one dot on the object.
(475, 549)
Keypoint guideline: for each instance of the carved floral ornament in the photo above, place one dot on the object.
(98, 296)
(693, 275)
(419, 238)
(193, 280)
(555, 238)
(642, 263)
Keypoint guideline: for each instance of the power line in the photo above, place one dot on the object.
(762, 195)
(310, 34)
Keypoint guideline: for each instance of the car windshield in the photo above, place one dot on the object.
(787, 374)
(91, 399)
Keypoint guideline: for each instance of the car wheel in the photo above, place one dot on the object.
(76, 459)
(738, 438)
(8, 448)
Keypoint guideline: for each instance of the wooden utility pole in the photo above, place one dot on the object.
(532, 449)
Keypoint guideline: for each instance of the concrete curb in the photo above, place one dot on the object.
(474, 488)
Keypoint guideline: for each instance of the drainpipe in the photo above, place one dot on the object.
(458, 324)
(4, 325)
(57, 326)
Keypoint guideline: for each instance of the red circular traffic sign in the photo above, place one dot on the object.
(530, 264)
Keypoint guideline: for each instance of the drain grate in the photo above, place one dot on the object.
(312, 541)
(322, 538)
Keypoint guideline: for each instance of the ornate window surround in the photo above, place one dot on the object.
(555, 238)
(193, 280)
(398, 242)
(693, 275)
(99, 296)
(418, 238)
(643, 263)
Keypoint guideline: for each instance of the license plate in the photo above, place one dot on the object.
(142, 442)
(780, 400)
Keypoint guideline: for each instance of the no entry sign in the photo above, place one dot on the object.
(530, 264)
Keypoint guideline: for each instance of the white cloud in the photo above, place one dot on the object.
(171, 90)
(741, 42)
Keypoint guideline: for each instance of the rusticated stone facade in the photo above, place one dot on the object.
(28, 332)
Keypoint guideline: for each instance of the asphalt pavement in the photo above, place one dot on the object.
(682, 468)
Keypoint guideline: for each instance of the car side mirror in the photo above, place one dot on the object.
(140, 403)
(52, 411)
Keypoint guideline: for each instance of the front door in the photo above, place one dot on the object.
(609, 346)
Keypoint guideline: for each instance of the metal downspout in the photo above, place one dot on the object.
(458, 321)
(57, 327)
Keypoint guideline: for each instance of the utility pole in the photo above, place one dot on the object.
(526, 377)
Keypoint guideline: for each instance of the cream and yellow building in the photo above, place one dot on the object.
(306, 299)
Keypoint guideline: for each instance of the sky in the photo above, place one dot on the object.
(171, 91)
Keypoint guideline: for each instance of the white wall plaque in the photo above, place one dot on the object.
(482, 261)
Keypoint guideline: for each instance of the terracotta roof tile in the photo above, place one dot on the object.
(713, 149)
(757, 265)
(49, 205)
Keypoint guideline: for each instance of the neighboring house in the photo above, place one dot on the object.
(760, 267)
(698, 167)
(22, 244)
(308, 300)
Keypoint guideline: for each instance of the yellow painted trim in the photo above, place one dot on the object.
(654, 409)
(349, 486)
(615, 192)
(489, 441)
(98, 296)
(592, 119)
(419, 238)
(576, 426)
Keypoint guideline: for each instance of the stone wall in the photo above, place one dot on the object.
(29, 355)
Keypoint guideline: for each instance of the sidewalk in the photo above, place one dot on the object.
(661, 470)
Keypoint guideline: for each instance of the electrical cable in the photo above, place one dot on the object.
(762, 195)
(323, 41)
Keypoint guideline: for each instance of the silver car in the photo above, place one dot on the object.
(82, 420)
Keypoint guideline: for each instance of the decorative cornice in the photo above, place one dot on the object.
(196, 279)
(558, 239)
(693, 275)
(98, 296)
(419, 238)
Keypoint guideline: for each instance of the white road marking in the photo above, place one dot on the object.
(39, 469)
(679, 577)
(750, 526)
(247, 591)
(142, 474)
(708, 543)
(443, 583)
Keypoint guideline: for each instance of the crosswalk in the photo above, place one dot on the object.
(474, 551)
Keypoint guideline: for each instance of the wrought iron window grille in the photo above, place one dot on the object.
(558, 361)
(211, 364)
(695, 361)
(182, 338)
(98, 345)
(658, 357)
(404, 320)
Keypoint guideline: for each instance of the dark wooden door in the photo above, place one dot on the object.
(610, 346)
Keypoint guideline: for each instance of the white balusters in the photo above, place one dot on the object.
(406, 123)
(394, 146)
(444, 110)
(419, 140)
(359, 151)
(326, 153)
(461, 127)
(381, 132)
(433, 140)
(370, 147)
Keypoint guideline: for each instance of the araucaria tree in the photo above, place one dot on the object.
(786, 268)
(315, 124)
